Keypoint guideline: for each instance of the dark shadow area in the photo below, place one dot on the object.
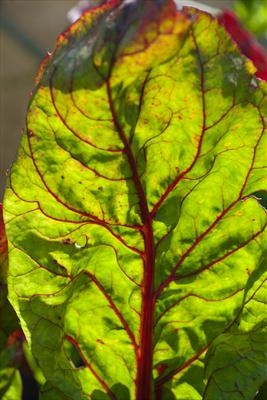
(30, 386)
(121, 392)
(262, 392)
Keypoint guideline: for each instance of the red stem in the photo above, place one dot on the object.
(144, 380)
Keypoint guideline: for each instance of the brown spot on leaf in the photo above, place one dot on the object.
(30, 133)
(67, 241)
(161, 368)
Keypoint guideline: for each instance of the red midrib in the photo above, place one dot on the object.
(144, 378)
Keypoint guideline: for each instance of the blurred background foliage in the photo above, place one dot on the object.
(253, 15)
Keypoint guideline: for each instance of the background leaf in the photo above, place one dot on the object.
(13, 390)
(253, 14)
(10, 380)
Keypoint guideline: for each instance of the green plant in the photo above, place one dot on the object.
(253, 14)
(137, 240)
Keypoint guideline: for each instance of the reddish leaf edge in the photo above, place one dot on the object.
(246, 42)
(3, 239)
(65, 36)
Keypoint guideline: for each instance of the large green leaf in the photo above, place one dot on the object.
(136, 237)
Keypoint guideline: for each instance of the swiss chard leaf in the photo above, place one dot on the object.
(135, 241)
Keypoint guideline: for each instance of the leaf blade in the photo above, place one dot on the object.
(123, 170)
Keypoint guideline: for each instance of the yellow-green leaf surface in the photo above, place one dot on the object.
(136, 236)
(14, 389)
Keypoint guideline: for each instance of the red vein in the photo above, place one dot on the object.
(167, 309)
(116, 310)
(90, 367)
(72, 130)
(145, 356)
(255, 292)
(122, 269)
(74, 100)
(203, 130)
(160, 381)
(54, 195)
(86, 166)
(172, 275)
(219, 259)
(81, 223)
(222, 116)
(95, 219)
(140, 102)
(39, 207)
